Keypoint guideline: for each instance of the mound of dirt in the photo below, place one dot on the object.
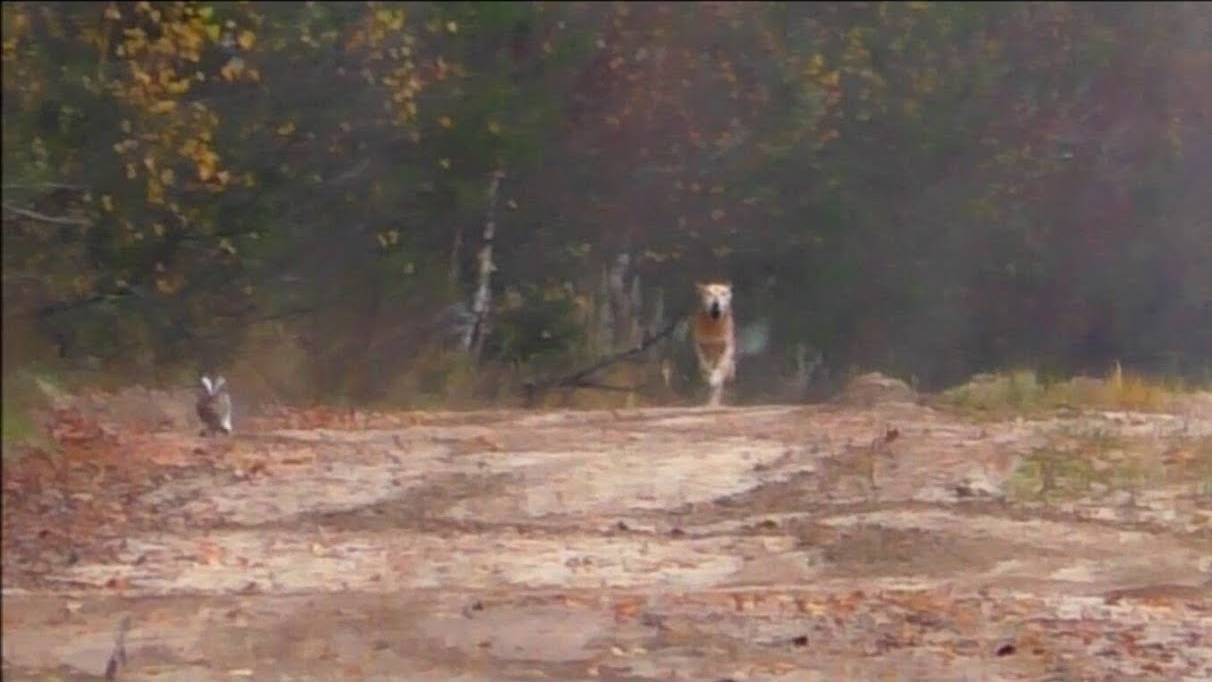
(874, 388)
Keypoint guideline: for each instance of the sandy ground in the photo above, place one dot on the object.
(890, 542)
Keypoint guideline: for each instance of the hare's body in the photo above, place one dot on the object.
(214, 406)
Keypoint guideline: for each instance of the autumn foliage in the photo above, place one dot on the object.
(297, 192)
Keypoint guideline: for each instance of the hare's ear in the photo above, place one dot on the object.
(206, 384)
(220, 382)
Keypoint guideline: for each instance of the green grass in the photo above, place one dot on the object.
(26, 392)
(1099, 464)
(1093, 464)
(17, 425)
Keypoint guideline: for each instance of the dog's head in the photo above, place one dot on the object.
(715, 298)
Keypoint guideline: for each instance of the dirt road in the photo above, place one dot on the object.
(771, 543)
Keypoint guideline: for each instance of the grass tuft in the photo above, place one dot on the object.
(26, 393)
(1022, 391)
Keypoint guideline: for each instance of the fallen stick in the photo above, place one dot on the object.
(118, 655)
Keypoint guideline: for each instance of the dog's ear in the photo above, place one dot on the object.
(700, 287)
(206, 384)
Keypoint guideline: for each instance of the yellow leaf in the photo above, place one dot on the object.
(445, 122)
(226, 245)
(452, 26)
(494, 128)
(167, 176)
(112, 13)
(206, 12)
(155, 191)
(107, 202)
(246, 39)
(232, 69)
(286, 128)
(163, 106)
(444, 163)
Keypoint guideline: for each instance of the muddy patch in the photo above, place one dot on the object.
(877, 550)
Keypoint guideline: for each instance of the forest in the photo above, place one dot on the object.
(430, 204)
(353, 341)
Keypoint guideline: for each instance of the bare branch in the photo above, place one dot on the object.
(579, 378)
(42, 217)
(48, 185)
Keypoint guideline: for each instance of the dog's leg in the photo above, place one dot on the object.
(716, 382)
(704, 365)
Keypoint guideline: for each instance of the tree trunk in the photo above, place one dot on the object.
(658, 312)
(620, 301)
(456, 253)
(635, 328)
(603, 333)
(481, 304)
(367, 386)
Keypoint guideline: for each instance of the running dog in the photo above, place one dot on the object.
(715, 338)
